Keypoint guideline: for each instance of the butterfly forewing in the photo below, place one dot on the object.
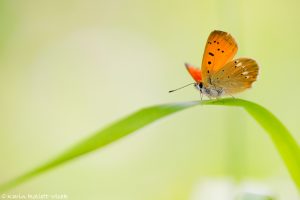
(194, 72)
(219, 50)
(235, 76)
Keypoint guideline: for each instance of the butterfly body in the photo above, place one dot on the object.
(211, 91)
(221, 75)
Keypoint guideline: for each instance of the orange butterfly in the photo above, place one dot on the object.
(219, 74)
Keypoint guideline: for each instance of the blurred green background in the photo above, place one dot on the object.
(68, 68)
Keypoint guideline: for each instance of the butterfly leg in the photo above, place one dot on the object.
(232, 96)
(201, 95)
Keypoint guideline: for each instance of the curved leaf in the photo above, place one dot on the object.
(283, 140)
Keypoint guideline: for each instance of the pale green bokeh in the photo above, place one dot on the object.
(68, 68)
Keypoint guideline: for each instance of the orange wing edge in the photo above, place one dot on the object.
(194, 72)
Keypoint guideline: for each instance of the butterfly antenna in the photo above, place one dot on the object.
(181, 87)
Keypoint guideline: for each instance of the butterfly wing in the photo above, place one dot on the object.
(194, 72)
(219, 50)
(235, 76)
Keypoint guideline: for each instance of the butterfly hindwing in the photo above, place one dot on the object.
(235, 76)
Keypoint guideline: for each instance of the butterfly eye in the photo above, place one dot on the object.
(201, 85)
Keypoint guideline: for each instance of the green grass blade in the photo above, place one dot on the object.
(283, 140)
(115, 131)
